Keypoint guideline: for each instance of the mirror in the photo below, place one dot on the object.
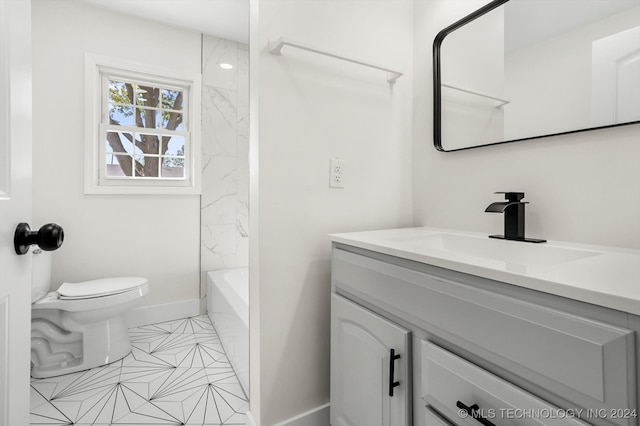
(516, 70)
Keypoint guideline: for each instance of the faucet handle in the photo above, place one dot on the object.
(512, 196)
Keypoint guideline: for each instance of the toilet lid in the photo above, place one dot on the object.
(98, 288)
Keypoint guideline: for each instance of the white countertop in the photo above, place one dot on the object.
(605, 276)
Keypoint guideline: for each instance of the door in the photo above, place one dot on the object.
(15, 207)
(615, 92)
(369, 368)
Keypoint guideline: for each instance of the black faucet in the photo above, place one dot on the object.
(513, 210)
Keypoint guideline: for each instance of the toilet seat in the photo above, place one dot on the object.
(52, 300)
(99, 288)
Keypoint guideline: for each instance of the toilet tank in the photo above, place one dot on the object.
(40, 273)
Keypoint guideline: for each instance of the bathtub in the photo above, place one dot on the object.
(228, 309)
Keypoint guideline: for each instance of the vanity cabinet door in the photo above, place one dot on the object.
(369, 354)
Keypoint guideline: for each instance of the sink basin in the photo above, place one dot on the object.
(513, 252)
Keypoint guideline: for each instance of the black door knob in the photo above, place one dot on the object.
(49, 237)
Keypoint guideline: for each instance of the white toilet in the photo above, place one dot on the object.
(81, 325)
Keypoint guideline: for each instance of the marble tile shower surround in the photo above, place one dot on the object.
(225, 156)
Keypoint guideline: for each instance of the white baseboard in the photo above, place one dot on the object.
(318, 416)
(250, 420)
(145, 315)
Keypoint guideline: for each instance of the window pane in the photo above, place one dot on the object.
(121, 115)
(119, 92)
(147, 96)
(172, 99)
(147, 166)
(118, 165)
(171, 120)
(149, 118)
(147, 144)
(173, 145)
(139, 165)
(172, 167)
(119, 142)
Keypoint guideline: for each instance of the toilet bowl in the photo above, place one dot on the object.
(81, 325)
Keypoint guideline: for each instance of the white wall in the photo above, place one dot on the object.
(582, 187)
(152, 236)
(313, 108)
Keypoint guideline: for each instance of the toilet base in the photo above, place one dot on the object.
(60, 345)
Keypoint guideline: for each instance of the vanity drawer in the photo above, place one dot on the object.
(589, 364)
(449, 384)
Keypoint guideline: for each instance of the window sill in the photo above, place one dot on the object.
(141, 190)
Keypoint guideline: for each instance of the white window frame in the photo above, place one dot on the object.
(95, 179)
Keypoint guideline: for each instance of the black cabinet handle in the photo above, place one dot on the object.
(392, 367)
(474, 412)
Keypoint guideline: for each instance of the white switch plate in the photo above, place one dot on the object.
(336, 173)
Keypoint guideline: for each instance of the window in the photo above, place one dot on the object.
(141, 133)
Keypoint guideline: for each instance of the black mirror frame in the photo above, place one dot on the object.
(437, 94)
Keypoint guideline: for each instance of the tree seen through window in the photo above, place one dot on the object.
(146, 137)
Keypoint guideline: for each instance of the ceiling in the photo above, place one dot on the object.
(222, 18)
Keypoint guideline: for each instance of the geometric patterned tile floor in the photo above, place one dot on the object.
(176, 374)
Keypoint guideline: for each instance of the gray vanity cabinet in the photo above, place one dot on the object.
(369, 368)
(550, 353)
